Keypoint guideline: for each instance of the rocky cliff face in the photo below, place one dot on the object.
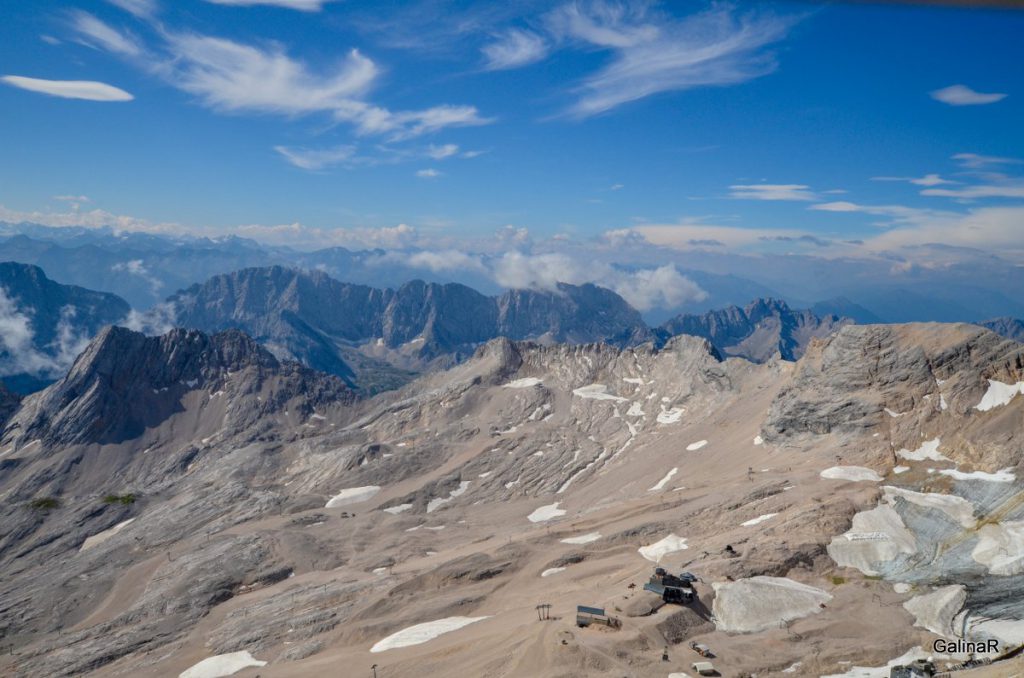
(908, 378)
(125, 383)
(359, 332)
(46, 324)
(762, 329)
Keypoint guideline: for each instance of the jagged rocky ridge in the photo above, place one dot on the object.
(375, 338)
(762, 329)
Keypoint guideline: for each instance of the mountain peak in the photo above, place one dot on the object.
(763, 329)
(125, 382)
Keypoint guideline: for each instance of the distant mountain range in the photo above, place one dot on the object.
(1011, 328)
(759, 331)
(145, 268)
(377, 338)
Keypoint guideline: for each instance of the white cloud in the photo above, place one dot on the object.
(137, 267)
(69, 342)
(976, 161)
(99, 35)
(429, 173)
(771, 192)
(962, 95)
(301, 5)
(993, 229)
(233, 77)
(143, 9)
(298, 235)
(663, 287)
(72, 198)
(442, 152)
(157, 320)
(515, 48)
(655, 53)
(897, 213)
(1011, 188)
(690, 236)
(616, 187)
(18, 350)
(644, 289)
(230, 76)
(49, 39)
(926, 180)
(19, 353)
(446, 260)
(69, 89)
(315, 159)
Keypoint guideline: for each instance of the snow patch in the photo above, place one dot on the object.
(395, 510)
(876, 536)
(670, 416)
(758, 520)
(97, 539)
(422, 633)
(957, 508)
(222, 665)
(935, 611)
(659, 549)
(525, 382)
(1004, 476)
(998, 394)
(762, 603)
(1000, 548)
(928, 450)
(437, 502)
(552, 570)
(693, 447)
(661, 483)
(758, 440)
(596, 392)
(582, 539)
(353, 495)
(545, 513)
(633, 380)
(883, 671)
(635, 410)
(854, 474)
(900, 469)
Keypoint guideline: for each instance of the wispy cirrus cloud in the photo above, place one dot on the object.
(962, 95)
(1005, 188)
(99, 35)
(926, 180)
(655, 53)
(771, 192)
(513, 49)
(234, 77)
(301, 5)
(144, 9)
(316, 159)
(443, 151)
(89, 90)
(428, 173)
(978, 161)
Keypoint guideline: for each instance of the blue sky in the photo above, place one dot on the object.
(836, 130)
